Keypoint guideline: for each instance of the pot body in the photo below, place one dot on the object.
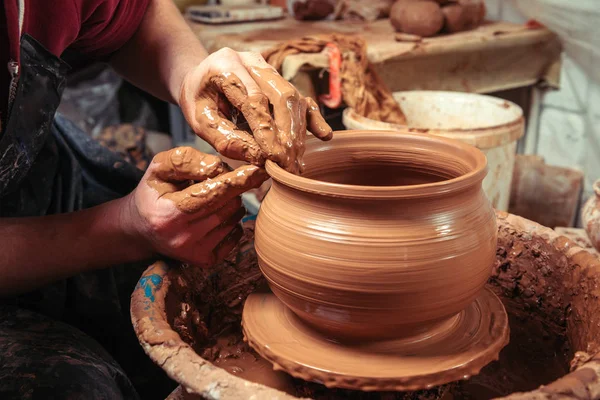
(590, 216)
(376, 263)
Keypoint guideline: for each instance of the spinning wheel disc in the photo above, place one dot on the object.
(459, 348)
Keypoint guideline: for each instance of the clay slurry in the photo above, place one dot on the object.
(174, 173)
(278, 118)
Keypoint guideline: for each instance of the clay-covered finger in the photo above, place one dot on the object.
(316, 123)
(212, 126)
(245, 95)
(184, 164)
(288, 110)
(257, 112)
(205, 197)
(254, 106)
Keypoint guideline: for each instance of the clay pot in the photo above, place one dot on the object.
(386, 234)
(590, 216)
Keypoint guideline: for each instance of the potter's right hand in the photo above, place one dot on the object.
(245, 81)
(188, 206)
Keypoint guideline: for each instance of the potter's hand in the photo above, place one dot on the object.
(251, 86)
(187, 205)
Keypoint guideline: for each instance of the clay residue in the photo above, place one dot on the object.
(174, 167)
(283, 137)
(196, 182)
(234, 356)
(277, 117)
(362, 89)
(217, 295)
(209, 122)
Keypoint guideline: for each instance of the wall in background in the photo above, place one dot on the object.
(569, 127)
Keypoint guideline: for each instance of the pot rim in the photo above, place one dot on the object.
(476, 174)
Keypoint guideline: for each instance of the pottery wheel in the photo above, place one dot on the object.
(467, 343)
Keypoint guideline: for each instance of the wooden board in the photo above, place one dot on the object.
(495, 56)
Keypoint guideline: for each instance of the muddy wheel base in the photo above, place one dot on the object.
(467, 343)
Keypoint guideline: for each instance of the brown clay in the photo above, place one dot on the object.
(462, 16)
(422, 18)
(292, 113)
(312, 10)
(450, 351)
(590, 216)
(214, 127)
(232, 355)
(378, 219)
(279, 137)
(173, 174)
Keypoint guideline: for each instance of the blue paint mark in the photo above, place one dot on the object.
(150, 283)
(249, 218)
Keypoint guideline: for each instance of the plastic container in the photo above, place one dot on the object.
(493, 125)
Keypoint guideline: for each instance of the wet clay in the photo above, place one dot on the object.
(174, 173)
(544, 332)
(292, 113)
(232, 355)
(277, 118)
(349, 259)
(452, 350)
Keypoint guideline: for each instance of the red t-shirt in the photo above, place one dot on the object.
(93, 28)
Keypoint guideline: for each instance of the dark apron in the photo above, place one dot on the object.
(49, 166)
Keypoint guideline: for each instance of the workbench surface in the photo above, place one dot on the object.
(496, 56)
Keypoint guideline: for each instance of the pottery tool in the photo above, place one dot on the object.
(232, 14)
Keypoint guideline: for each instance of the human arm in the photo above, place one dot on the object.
(41, 250)
(165, 58)
(166, 214)
(161, 52)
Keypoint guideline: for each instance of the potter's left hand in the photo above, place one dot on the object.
(187, 206)
(251, 86)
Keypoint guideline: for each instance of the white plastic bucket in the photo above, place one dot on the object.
(493, 125)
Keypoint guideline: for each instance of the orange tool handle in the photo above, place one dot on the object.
(334, 98)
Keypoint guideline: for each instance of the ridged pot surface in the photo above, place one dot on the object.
(386, 234)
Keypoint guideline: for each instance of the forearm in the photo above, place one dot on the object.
(161, 52)
(41, 250)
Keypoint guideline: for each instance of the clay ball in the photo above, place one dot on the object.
(312, 10)
(463, 16)
(423, 18)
